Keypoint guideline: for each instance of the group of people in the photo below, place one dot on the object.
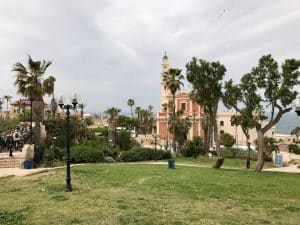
(12, 140)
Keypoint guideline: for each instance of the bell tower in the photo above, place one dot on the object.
(164, 91)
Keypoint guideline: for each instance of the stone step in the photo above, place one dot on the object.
(11, 162)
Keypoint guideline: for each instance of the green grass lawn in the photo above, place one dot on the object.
(151, 194)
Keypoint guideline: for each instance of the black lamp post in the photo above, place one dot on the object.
(67, 107)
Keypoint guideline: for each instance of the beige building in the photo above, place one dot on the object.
(224, 126)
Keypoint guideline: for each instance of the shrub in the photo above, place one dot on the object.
(85, 154)
(294, 148)
(193, 148)
(141, 154)
(227, 140)
(238, 153)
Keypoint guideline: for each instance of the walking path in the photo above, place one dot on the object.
(18, 172)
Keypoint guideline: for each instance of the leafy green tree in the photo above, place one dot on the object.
(206, 79)
(227, 140)
(172, 80)
(31, 84)
(127, 122)
(264, 88)
(296, 132)
(113, 114)
(246, 124)
(130, 103)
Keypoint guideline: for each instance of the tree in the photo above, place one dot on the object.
(172, 80)
(1, 102)
(30, 83)
(227, 140)
(130, 102)
(113, 114)
(49, 88)
(206, 78)
(81, 107)
(165, 108)
(8, 98)
(296, 132)
(182, 127)
(264, 88)
(246, 124)
(138, 115)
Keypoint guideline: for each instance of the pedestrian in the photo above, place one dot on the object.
(9, 143)
(16, 138)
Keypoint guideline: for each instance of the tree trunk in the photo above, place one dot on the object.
(174, 141)
(261, 150)
(220, 160)
(249, 150)
(37, 107)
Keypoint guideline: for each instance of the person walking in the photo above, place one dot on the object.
(10, 142)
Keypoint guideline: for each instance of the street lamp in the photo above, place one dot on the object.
(67, 107)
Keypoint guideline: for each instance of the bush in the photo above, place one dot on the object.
(238, 153)
(193, 148)
(227, 140)
(86, 154)
(294, 148)
(142, 154)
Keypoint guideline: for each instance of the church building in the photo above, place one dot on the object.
(191, 110)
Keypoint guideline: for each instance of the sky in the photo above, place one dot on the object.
(109, 51)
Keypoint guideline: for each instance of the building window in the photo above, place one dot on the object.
(222, 132)
(183, 106)
(221, 123)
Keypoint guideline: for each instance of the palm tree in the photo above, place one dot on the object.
(165, 108)
(113, 114)
(8, 98)
(296, 132)
(49, 86)
(130, 102)
(30, 83)
(138, 113)
(1, 102)
(172, 80)
(81, 107)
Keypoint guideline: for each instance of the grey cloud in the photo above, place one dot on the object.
(110, 51)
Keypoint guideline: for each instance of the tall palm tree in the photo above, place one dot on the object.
(113, 114)
(49, 87)
(30, 83)
(8, 98)
(81, 107)
(1, 102)
(165, 108)
(138, 113)
(130, 102)
(172, 80)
